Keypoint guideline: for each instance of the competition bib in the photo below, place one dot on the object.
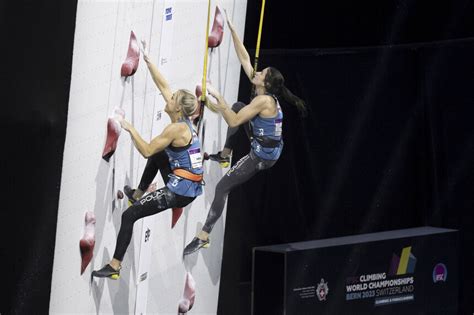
(278, 127)
(195, 157)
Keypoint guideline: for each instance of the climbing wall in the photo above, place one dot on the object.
(153, 272)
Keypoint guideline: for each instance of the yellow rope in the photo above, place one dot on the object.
(257, 51)
(204, 72)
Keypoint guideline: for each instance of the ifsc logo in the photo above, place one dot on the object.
(440, 273)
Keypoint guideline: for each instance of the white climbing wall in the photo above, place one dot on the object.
(89, 183)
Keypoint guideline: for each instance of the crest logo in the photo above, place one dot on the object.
(322, 290)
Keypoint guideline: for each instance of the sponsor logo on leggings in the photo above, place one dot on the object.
(153, 196)
(238, 164)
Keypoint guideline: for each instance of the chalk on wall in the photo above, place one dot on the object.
(130, 65)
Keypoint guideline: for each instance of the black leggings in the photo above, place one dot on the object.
(242, 171)
(150, 204)
(156, 162)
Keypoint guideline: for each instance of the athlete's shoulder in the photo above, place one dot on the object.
(174, 129)
(177, 125)
(263, 97)
(263, 100)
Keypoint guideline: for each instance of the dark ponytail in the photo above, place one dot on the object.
(275, 84)
(295, 100)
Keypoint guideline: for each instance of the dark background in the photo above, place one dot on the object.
(388, 143)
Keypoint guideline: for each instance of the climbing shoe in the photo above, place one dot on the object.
(223, 161)
(128, 191)
(107, 272)
(195, 245)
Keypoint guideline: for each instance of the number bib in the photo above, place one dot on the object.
(195, 157)
(278, 127)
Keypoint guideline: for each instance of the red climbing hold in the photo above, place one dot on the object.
(176, 215)
(130, 65)
(87, 242)
(198, 91)
(187, 301)
(113, 133)
(217, 32)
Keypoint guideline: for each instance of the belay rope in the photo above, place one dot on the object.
(204, 70)
(257, 49)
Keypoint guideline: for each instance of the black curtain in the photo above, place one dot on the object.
(381, 149)
(35, 75)
(449, 98)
